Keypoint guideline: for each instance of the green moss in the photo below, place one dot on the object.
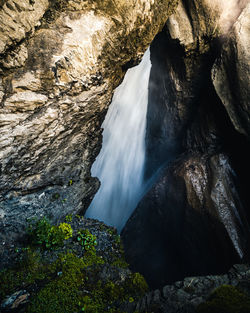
(69, 218)
(119, 262)
(64, 282)
(66, 230)
(28, 270)
(226, 299)
(138, 284)
(62, 293)
(66, 293)
(91, 258)
(111, 231)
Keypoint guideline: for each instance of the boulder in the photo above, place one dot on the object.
(231, 73)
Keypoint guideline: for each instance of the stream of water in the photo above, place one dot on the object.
(120, 164)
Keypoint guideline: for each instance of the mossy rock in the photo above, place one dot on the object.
(226, 299)
(72, 278)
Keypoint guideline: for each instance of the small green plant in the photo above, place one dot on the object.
(86, 239)
(39, 231)
(65, 229)
(70, 183)
(111, 231)
(42, 233)
(68, 218)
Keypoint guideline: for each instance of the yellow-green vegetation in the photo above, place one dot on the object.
(120, 262)
(65, 293)
(68, 218)
(65, 229)
(226, 299)
(42, 233)
(62, 281)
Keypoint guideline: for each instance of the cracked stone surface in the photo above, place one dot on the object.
(232, 82)
(60, 62)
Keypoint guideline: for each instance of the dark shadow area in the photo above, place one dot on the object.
(176, 82)
(163, 131)
(167, 240)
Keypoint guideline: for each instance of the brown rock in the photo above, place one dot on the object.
(56, 84)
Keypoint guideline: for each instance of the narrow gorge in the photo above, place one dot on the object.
(124, 156)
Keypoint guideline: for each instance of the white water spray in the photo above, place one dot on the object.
(120, 164)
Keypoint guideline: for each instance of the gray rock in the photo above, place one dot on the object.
(176, 299)
(231, 74)
(15, 300)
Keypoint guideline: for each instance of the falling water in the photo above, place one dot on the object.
(120, 164)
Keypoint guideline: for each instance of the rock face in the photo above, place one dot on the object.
(196, 22)
(182, 58)
(60, 62)
(191, 222)
(232, 83)
(195, 219)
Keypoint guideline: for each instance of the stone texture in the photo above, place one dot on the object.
(56, 83)
(195, 218)
(18, 18)
(195, 22)
(190, 223)
(15, 300)
(186, 295)
(231, 73)
(182, 57)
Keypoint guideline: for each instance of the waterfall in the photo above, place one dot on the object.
(120, 164)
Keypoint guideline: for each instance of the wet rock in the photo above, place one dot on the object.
(182, 56)
(188, 223)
